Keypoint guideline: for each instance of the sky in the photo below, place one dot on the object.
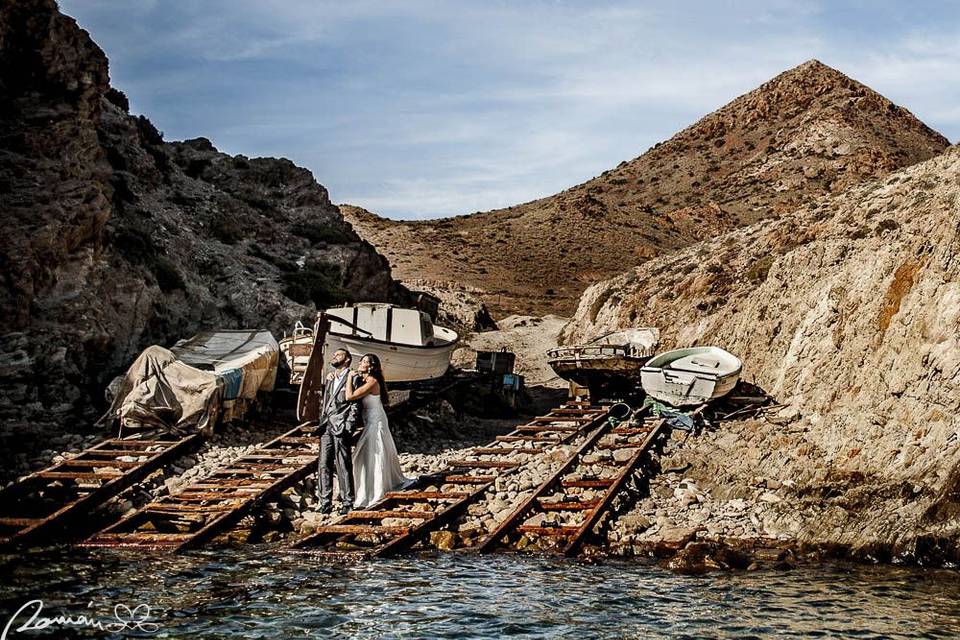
(430, 108)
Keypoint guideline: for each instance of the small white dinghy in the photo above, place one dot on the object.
(691, 376)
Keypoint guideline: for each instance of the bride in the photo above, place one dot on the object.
(376, 466)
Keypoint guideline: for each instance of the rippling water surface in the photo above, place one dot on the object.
(265, 593)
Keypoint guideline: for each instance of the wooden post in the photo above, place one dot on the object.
(311, 387)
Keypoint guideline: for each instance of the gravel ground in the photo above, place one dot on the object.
(667, 515)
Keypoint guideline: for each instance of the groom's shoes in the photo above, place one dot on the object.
(345, 509)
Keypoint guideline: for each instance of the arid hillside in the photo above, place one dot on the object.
(115, 239)
(848, 312)
(808, 132)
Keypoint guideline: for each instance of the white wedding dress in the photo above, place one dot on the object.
(376, 466)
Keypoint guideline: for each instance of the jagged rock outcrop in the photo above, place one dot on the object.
(808, 132)
(847, 311)
(114, 239)
(460, 306)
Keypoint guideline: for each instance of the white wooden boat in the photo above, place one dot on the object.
(609, 364)
(691, 376)
(410, 347)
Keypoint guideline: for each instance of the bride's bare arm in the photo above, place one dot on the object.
(363, 390)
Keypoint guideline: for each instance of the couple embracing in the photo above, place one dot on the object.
(354, 401)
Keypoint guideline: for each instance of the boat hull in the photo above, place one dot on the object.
(410, 347)
(401, 363)
(691, 376)
(606, 371)
(609, 366)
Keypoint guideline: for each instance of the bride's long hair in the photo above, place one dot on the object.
(376, 370)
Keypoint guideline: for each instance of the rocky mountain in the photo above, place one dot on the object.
(809, 131)
(115, 239)
(847, 312)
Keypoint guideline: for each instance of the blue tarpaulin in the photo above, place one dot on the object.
(232, 382)
(674, 418)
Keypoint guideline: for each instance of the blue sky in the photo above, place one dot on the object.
(425, 108)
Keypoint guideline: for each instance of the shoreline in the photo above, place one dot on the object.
(675, 519)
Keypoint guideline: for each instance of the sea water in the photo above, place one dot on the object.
(262, 592)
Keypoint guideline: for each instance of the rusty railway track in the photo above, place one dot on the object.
(403, 518)
(44, 506)
(567, 506)
(214, 504)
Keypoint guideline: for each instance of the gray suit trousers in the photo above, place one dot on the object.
(336, 451)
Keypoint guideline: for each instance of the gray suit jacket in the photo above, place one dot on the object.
(340, 416)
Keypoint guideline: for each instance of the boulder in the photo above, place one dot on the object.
(444, 540)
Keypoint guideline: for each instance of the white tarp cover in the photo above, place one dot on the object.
(186, 386)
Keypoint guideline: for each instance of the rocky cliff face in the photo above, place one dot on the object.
(115, 239)
(460, 307)
(847, 311)
(808, 132)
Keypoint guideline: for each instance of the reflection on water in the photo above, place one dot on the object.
(266, 593)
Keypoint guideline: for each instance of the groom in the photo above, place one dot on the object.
(338, 419)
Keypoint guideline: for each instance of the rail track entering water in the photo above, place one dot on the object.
(44, 506)
(567, 506)
(214, 504)
(403, 518)
(564, 509)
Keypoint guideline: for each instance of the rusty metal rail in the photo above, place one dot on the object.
(44, 506)
(216, 503)
(567, 506)
(403, 518)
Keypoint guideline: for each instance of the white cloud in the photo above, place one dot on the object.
(428, 107)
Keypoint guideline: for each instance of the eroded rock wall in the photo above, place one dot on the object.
(849, 313)
(115, 239)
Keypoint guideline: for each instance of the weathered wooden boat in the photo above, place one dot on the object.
(691, 376)
(410, 347)
(609, 365)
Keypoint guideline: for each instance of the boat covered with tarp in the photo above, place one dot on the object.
(213, 376)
